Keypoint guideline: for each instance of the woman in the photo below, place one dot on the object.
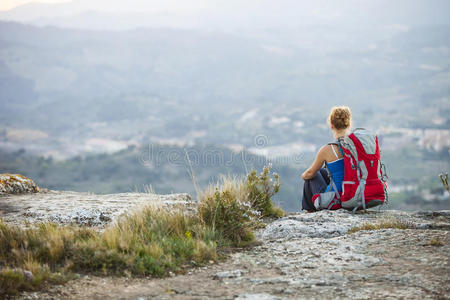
(316, 177)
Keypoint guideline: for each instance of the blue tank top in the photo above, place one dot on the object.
(337, 172)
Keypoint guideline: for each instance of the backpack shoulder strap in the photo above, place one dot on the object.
(338, 143)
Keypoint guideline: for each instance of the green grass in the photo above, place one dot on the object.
(152, 242)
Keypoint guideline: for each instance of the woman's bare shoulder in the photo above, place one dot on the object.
(325, 148)
(326, 153)
(323, 151)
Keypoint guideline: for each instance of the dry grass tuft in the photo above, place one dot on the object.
(234, 207)
(384, 224)
(436, 242)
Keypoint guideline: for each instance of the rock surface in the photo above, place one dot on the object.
(306, 256)
(16, 184)
(80, 208)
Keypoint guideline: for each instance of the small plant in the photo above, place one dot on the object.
(386, 224)
(260, 190)
(444, 179)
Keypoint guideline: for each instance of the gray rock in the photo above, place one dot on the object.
(262, 296)
(90, 209)
(324, 224)
(229, 274)
(16, 184)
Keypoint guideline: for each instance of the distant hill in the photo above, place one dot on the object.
(148, 83)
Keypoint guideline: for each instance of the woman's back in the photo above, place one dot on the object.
(336, 166)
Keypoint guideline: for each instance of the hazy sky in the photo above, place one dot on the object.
(8, 4)
(226, 14)
(190, 6)
(112, 5)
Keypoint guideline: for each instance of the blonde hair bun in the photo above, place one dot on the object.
(340, 117)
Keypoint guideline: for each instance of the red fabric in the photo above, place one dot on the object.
(333, 207)
(374, 186)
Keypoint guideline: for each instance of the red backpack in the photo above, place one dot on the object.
(365, 177)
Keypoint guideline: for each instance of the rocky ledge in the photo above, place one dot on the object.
(307, 256)
(89, 209)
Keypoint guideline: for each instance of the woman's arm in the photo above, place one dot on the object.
(316, 165)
